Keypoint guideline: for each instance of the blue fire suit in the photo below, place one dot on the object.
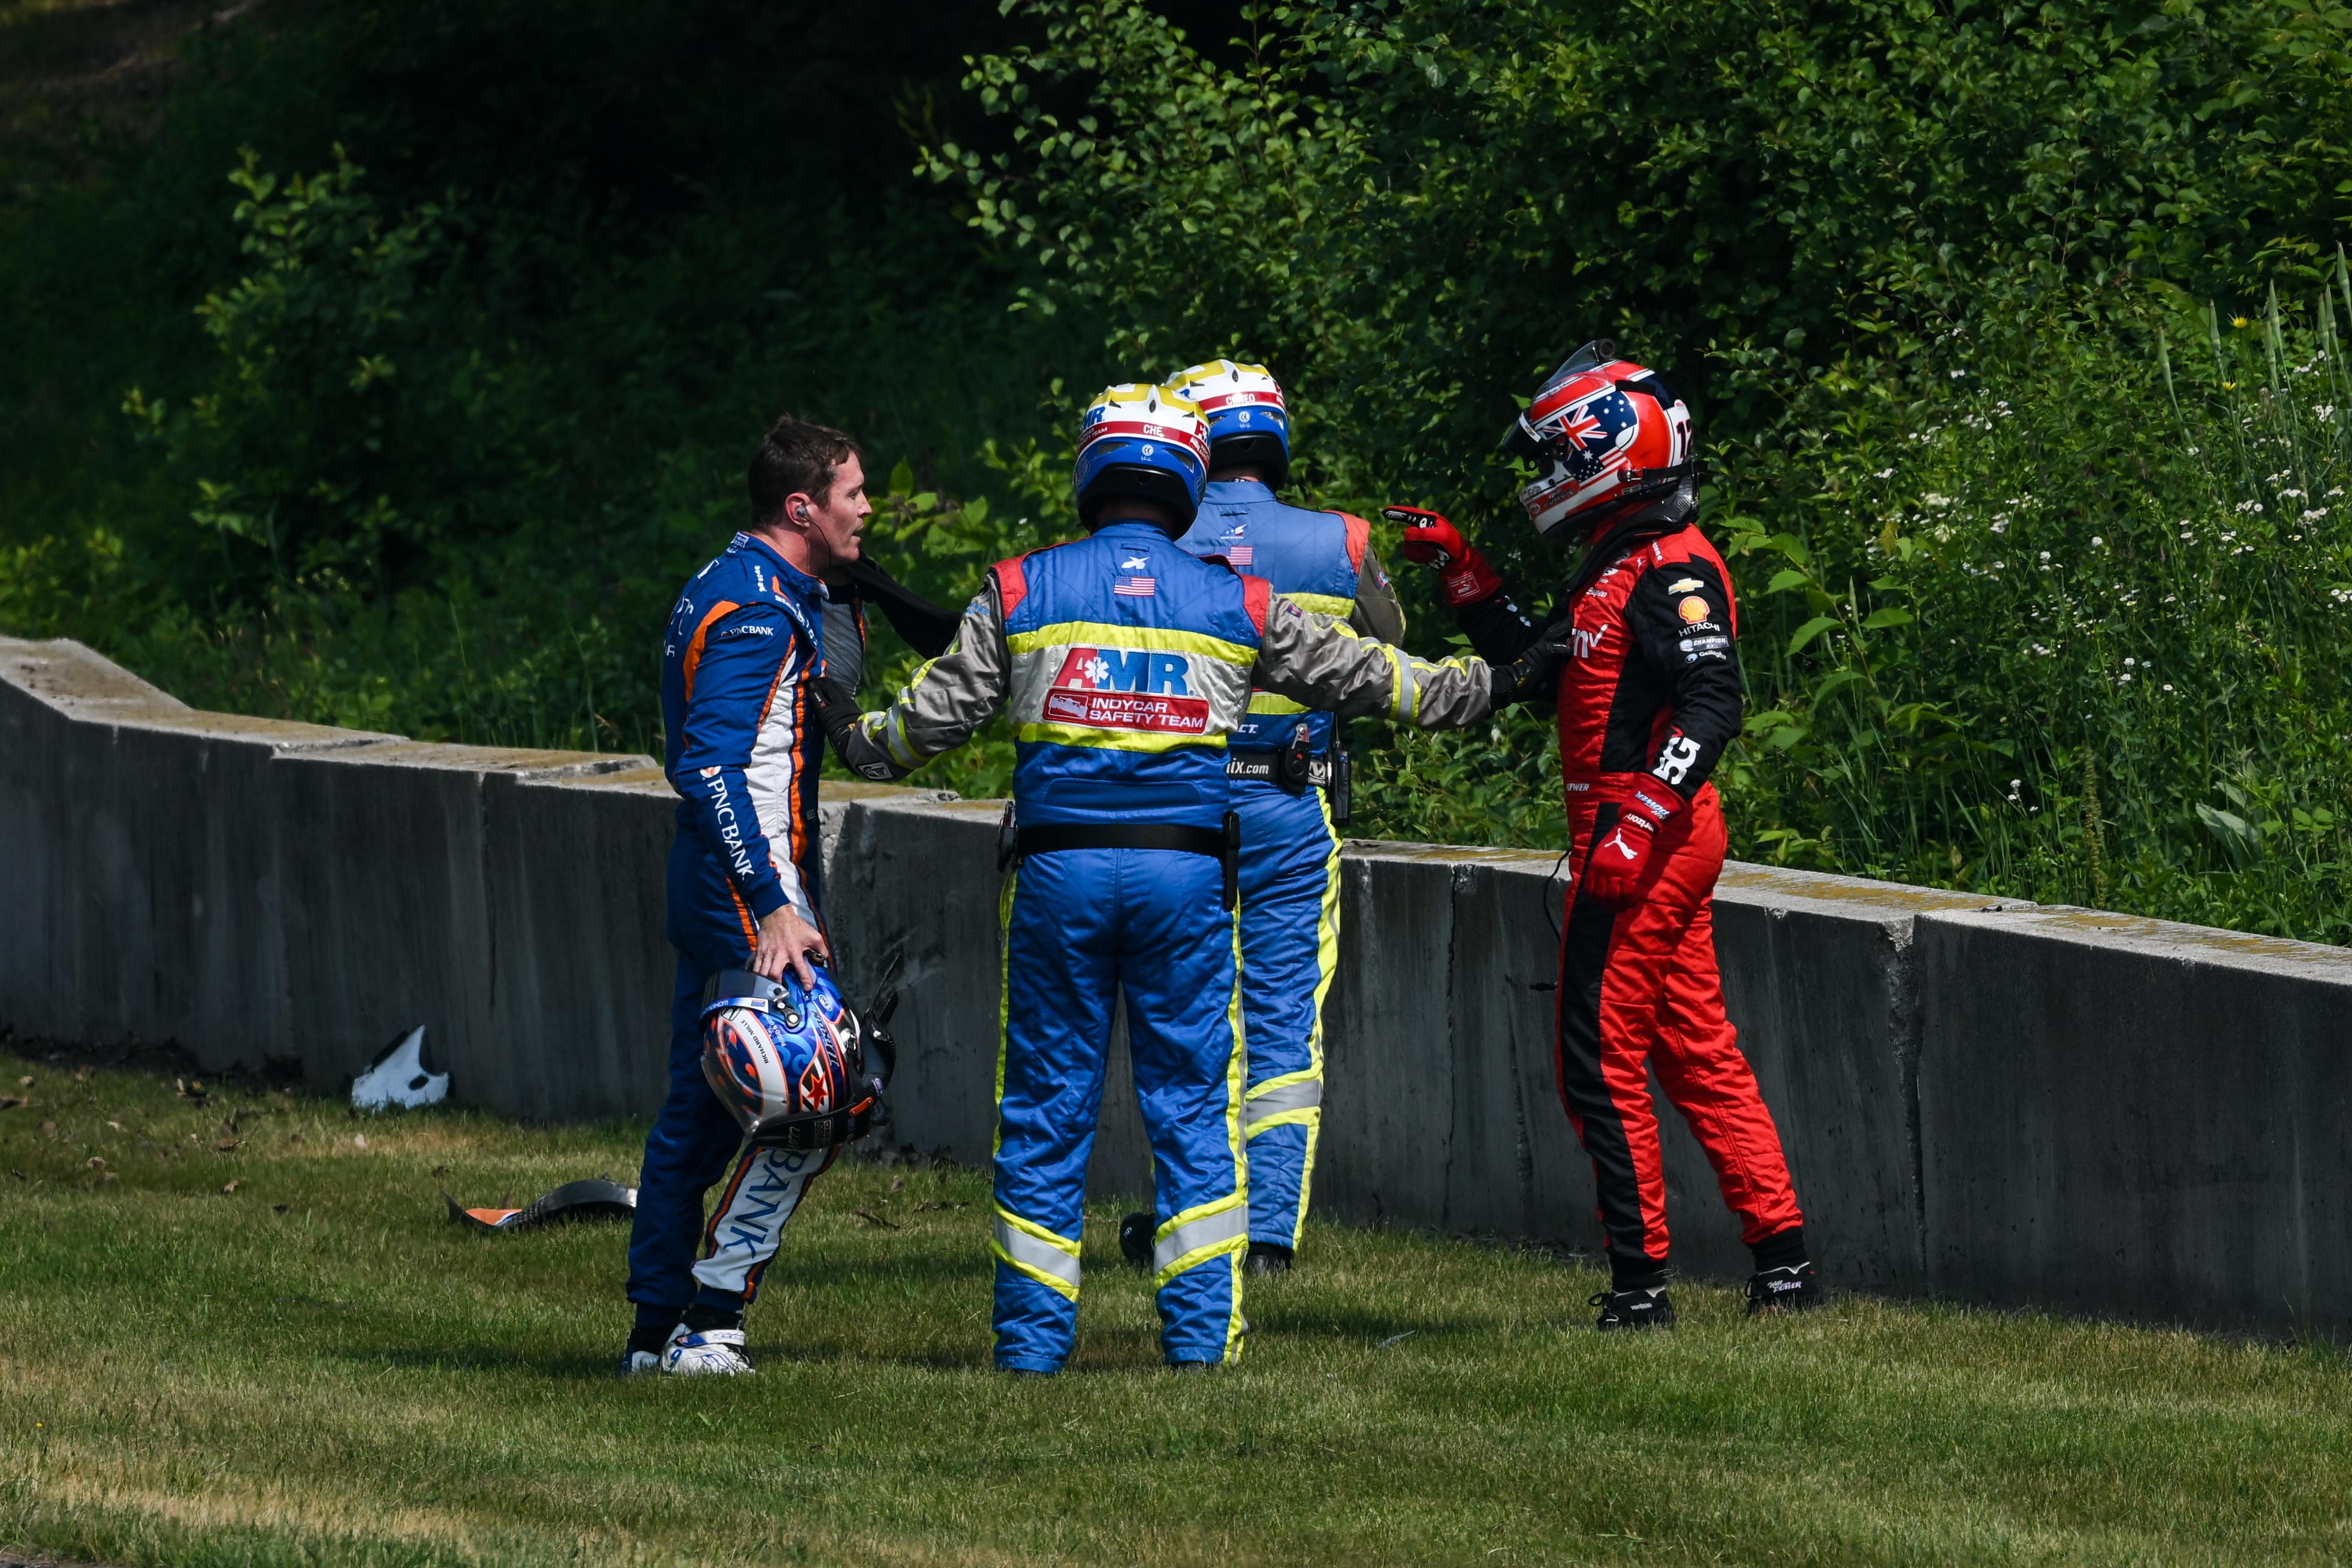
(1290, 843)
(750, 635)
(1124, 662)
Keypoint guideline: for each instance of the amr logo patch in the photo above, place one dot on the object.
(1124, 688)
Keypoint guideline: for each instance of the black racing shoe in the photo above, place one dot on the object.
(1794, 1288)
(643, 1351)
(1643, 1307)
(1135, 1238)
(1269, 1258)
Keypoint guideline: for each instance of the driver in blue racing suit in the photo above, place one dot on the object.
(1124, 664)
(747, 643)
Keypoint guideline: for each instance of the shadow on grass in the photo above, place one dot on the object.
(487, 1358)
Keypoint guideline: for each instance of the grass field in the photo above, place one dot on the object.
(239, 1329)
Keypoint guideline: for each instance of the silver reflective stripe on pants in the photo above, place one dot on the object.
(1210, 1230)
(1042, 1256)
(1304, 1095)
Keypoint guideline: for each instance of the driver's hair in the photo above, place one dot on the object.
(795, 458)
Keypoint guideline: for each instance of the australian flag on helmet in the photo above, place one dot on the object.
(1594, 429)
(1601, 434)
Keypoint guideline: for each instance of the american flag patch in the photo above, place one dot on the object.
(1239, 554)
(1136, 587)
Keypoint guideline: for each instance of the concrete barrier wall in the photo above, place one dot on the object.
(1999, 1103)
(253, 891)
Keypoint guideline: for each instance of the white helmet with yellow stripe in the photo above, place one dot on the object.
(1138, 439)
(1248, 420)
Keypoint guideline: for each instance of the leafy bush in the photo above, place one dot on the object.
(447, 434)
(1917, 268)
(2070, 630)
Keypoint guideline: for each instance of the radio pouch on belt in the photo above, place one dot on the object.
(1008, 842)
(1343, 797)
(1233, 857)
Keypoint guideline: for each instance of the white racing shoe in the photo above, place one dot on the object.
(706, 1352)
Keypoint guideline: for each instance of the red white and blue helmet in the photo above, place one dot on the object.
(1141, 439)
(1605, 434)
(1248, 421)
(787, 1060)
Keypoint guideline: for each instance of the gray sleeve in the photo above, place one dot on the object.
(845, 644)
(951, 696)
(1377, 613)
(1323, 664)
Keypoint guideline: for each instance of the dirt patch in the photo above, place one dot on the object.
(69, 67)
(148, 1059)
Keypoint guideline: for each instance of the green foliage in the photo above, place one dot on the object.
(2069, 630)
(430, 448)
(308, 419)
(1417, 205)
(1916, 267)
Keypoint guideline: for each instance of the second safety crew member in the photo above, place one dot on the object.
(1125, 663)
(1289, 784)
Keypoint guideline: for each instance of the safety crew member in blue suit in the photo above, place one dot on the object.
(1124, 663)
(1289, 786)
(746, 644)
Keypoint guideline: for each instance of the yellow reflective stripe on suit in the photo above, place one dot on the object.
(1196, 1235)
(1154, 639)
(1049, 1259)
(1280, 1099)
(1113, 740)
(1274, 703)
(1405, 700)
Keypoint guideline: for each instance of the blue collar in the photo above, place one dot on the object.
(1240, 489)
(1128, 526)
(784, 571)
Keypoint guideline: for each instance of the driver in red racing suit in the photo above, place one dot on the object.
(1648, 699)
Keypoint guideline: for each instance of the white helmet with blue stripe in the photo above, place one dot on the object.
(1141, 439)
(1248, 420)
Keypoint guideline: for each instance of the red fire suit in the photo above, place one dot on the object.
(1652, 693)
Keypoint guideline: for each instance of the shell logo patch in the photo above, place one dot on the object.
(1692, 609)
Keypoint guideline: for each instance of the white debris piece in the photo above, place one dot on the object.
(398, 1077)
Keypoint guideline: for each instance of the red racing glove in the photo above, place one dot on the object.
(1463, 576)
(1612, 872)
